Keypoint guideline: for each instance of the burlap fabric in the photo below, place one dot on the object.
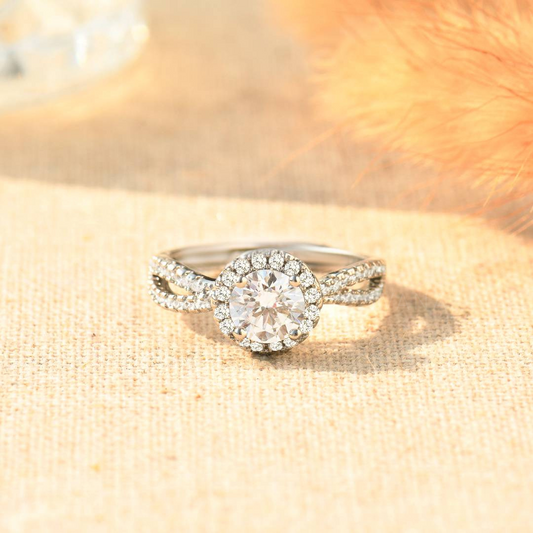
(411, 415)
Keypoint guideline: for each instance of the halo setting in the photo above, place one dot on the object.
(261, 302)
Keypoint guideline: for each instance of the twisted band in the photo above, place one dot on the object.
(183, 280)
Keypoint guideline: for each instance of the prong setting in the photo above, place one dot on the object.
(295, 334)
(295, 281)
(239, 334)
(241, 282)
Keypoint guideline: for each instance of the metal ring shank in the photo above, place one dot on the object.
(315, 256)
(341, 284)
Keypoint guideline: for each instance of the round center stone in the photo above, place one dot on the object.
(268, 307)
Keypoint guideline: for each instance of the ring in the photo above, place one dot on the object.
(268, 297)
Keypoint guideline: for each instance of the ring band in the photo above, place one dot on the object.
(268, 297)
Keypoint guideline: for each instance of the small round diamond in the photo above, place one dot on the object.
(312, 312)
(351, 280)
(292, 268)
(222, 294)
(256, 347)
(306, 278)
(276, 346)
(289, 343)
(312, 295)
(258, 260)
(276, 260)
(227, 326)
(306, 326)
(245, 343)
(229, 278)
(222, 312)
(241, 266)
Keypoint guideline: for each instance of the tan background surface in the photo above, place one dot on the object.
(415, 414)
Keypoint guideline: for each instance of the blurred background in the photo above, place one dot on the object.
(218, 101)
(48, 47)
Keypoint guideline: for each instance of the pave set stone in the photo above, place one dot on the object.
(164, 271)
(337, 287)
(270, 308)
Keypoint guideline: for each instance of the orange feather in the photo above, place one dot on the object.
(448, 82)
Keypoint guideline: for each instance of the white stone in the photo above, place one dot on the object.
(276, 346)
(222, 294)
(267, 307)
(289, 343)
(276, 260)
(229, 278)
(221, 312)
(306, 278)
(312, 312)
(312, 295)
(258, 260)
(226, 326)
(306, 326)
(241, 266)
(292, 268)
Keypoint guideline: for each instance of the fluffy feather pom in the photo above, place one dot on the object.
(444, 81)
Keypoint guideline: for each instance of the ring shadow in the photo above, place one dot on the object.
(414, 320)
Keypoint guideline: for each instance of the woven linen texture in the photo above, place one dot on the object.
(414, 414)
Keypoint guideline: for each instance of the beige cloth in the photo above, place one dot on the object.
(415, 414)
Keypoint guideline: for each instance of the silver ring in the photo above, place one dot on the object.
(268, 297)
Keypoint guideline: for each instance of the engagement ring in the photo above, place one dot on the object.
(268, 297)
